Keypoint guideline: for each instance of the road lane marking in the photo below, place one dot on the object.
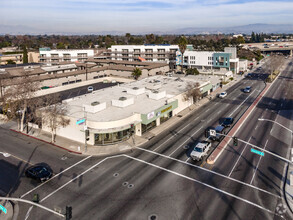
(61, 187)
(186, 140)
(18, 158)
(187, 159)
(240, 104)
(258, 163)
(171, 137)
(239, 158)
(204, 184)
(84, 172)
(55, 176)
(256, 127)
(210, 171)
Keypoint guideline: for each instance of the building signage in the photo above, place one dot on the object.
(213, 132)
(257, 152)
(80, 121)
(166, 109)
(3, 209)
(150, 115)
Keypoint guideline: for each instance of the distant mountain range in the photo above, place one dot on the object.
(244, 29)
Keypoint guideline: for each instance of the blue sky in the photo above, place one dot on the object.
(91, 16)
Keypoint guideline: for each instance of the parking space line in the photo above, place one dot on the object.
(204, 184)
(258, 164)
(56, 176)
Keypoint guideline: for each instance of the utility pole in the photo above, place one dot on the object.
(86, 71)
(86, 131)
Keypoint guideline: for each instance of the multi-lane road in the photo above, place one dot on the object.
(159, 179)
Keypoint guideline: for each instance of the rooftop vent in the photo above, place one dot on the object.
(95, 103)
(135, 88)
(122, 98)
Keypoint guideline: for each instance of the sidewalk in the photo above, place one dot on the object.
(288, 186)
(78, 148)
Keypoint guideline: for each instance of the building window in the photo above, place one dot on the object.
(110, 138)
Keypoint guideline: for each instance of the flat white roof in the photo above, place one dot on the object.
(142, 103)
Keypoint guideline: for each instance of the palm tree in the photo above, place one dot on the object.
(182, 46)
(136, 73)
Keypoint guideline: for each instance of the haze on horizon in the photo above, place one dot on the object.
(134, 16)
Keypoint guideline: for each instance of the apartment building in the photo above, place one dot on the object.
(210, 60)
(148, 52)
(67, 55)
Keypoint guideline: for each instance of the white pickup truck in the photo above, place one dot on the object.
(200, 150)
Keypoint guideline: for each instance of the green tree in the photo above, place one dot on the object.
(10, 62)
(182, 47)
(136, 73)
(192, 71)
(25, 56)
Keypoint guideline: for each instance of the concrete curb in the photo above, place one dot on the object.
(71, 151)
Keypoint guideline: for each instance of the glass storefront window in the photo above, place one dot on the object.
(149, 126)
(110, 138)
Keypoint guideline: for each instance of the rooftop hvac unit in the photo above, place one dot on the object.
(95, 107)
(156, 95)
(135, 91)
(123, 102)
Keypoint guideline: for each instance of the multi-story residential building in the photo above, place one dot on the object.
(210, 59)
(147, 52)
(67, 55)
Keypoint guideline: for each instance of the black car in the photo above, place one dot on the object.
(39, 172)
(227, 122)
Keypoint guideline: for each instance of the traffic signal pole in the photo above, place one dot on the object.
(266, 151)
(32, 203)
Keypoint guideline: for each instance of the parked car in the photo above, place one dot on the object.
(247, 89)
(39, 172)
(200, 150)
(90, 89)
(227, 122)
(222, 95)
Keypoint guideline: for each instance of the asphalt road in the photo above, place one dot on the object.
(160, 179)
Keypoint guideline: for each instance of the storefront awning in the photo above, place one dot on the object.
(112, 130)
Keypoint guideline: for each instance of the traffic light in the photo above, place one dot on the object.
(68, 212)
(87, 132)
(206, 133)
(235, 141)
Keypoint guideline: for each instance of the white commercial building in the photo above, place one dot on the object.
(148, 52)
(210, 59)
(67, 55)
(111, 115)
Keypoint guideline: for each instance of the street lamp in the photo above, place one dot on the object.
(5, 154)
(263, 119)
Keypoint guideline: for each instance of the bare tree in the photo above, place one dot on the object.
(54, 114)
(275, 63)
(193, 92)
(18, 98)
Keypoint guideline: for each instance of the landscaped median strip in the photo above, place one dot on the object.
(71, 151)
(223, 144)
